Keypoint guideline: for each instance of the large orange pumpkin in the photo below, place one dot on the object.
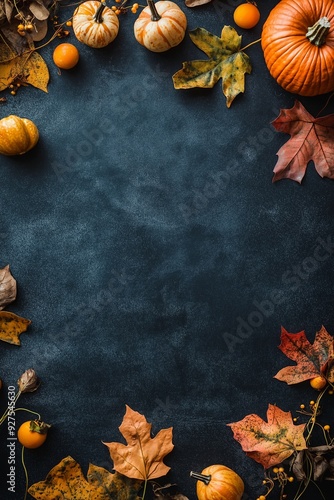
(218, 482)
(298, 46)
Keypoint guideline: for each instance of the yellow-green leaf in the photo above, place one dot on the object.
(11, 327)
(67, 481)
(226, 61)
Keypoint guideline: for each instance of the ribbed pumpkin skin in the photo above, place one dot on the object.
(167, 32)
(17, 135)
(225, 484)
(90, 32)
(297, 65)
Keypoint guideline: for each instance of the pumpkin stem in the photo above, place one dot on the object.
(98, 14)
(200, 477)
(154, 13)
(318, 32)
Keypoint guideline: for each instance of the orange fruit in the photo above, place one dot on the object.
(318, 383)
(246, 15)
(29, 437)
(66, 56)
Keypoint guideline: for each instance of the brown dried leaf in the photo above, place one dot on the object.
(142, 457)
(8, 9)
(15, 44)
(196, 3)
(39, 11)
(11, 327)
(7, 287)
(165, 493)
(40, 31)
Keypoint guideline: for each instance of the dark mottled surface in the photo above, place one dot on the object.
(142, 230)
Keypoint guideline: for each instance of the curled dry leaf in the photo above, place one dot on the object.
(28, 381)
(7, 287)
(196, 3)
(166, 492)
(39, 11)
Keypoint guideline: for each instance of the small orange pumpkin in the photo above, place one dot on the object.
(94, 24)
(17, 135)
(160, 26)
(298, 46)
(218, 482)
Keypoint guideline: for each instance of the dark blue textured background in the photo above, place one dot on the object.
(142, 230)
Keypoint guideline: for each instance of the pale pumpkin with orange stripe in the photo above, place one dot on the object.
(218, 482)
(160, 26)
(17, 135)
(94, 24)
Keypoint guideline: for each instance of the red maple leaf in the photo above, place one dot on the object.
(271, 442)
(311, 139)
(312, 359)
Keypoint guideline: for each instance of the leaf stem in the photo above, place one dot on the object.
(250, 44)
(144, 490)
(326, 104)
(25, 473)
(316, 406)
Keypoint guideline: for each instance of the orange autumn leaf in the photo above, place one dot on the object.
(66, 481)
(11, 327)
(311, 139)
(271, 442)
(311, 360)
(142, 457)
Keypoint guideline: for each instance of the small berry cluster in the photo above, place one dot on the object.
(59, 27)
(281, 477)
(26, 26)
(122, 9)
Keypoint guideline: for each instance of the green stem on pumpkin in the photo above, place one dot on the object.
(154, 13)
(200, 477)
(318, 32)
